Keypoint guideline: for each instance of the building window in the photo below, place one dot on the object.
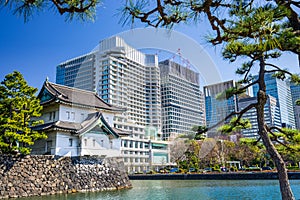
(53, 115)
(82, 116)
(70, 142)
(73, 115)
(48, 146)
(68, 114)
(85, 142)
(94, 142)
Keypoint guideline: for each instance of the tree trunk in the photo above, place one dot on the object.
(285, 189)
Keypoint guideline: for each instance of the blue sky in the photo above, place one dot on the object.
(35, 48)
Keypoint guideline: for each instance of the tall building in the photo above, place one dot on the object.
(281, 91)
(77, 72)
(217, 110)
(271, 114)
(127, 78)
(181, 99)
(295, 90)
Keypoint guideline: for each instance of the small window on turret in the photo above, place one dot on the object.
(70, 142)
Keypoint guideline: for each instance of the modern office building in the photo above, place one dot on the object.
(127, 78)
(181, 99)
(295, 90)
(77, 72)
(271, 114)
(217, 109)
(281, 91)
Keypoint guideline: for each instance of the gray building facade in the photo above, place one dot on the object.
(182, 107)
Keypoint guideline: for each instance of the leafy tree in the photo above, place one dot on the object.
(199, 132)
(18, 107)
(178, 148)
(254, 32)
(191, 156)
(249, 151)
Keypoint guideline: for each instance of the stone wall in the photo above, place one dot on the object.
(22, 176)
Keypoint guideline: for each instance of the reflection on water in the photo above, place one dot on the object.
(187, 189)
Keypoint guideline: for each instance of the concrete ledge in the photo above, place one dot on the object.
(214, 176)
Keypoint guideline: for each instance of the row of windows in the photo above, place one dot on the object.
(136, 160)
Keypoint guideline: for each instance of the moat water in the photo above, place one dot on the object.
(187, 189)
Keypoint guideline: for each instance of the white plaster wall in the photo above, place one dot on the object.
(109, 118)
(116, 144)
(77, 110)
(46, 113)
(99, 144)
(63, 147)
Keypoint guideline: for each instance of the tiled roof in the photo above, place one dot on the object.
(70, 126)
(78, 96)
(121, 132)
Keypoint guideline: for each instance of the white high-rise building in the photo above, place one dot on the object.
(127, 78)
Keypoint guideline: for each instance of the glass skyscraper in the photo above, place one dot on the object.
(271, 114)
(78, 72)
(295, 90)
(217, 110)
(281, 91)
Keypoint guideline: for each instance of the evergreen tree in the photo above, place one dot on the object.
(18, 108)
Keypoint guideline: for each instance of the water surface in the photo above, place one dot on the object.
(187, 190)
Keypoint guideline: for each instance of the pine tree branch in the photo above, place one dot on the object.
(249, 85)
(277, 69)
(80, 7)
(270, 129)
(248, 70)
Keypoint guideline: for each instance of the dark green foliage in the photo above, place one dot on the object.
(80, 9)
(18, 107)
(200, 131)
(230, 93)
(234, 125)
(295, 78)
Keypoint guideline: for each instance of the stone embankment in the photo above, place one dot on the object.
(44, 175)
